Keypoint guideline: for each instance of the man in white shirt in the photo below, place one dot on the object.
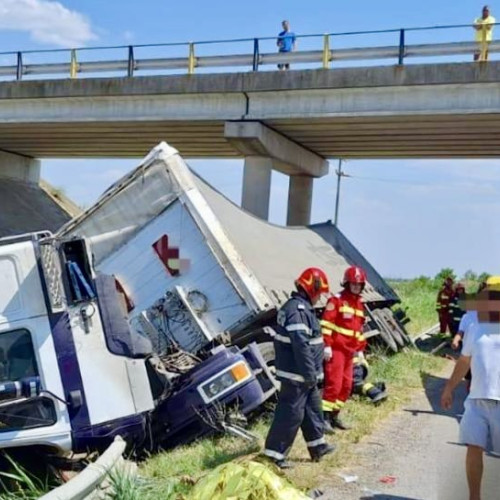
(480, 425)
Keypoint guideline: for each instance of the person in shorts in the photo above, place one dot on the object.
(480, 424)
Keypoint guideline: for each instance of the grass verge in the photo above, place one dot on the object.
(171, 475)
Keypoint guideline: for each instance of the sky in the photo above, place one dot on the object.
(408, 217)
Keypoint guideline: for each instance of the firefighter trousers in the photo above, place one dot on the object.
(298, 407)
(338, 380)
(444, 322)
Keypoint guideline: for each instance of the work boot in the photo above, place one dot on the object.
(337, 423)
(377, 393)
(283, 464)
(318, 452)
(327, 428)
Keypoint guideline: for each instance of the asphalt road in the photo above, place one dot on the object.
(416, 451)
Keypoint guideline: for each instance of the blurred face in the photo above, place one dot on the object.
(486, 12)
(286, 25)
(355, 288)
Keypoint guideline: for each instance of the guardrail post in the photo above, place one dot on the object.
(19, 69)
(401, 47)
(191, 60)
(326, 51)
(73, 68)
(130, 67)
(255, 54)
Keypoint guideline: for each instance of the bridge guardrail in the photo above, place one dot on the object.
(328, 54)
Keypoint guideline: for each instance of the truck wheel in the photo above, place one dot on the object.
(385, 334)
(391, 327)
(405, 338)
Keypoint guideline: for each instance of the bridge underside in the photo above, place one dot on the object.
(415, 136)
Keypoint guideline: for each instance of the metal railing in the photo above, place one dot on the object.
(253, 60)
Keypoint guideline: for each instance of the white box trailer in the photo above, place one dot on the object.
(198, 268)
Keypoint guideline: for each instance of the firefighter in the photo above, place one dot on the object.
(342, 329)
(299, 367)
(443, 300)
(375, 392)
(455, 311)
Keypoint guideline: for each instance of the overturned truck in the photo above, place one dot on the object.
(196, 269)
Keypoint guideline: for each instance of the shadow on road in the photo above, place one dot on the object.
(433, 387)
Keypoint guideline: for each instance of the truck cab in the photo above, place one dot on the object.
(73, 375)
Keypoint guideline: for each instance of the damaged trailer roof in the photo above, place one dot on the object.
(277, 254)
(266, 257)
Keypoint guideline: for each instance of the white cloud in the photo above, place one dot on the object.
(46, 21)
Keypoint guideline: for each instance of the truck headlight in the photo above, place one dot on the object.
(224, 381)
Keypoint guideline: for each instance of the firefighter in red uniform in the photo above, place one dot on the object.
(443, 300)
(342, 329)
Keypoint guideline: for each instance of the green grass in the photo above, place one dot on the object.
(19, 484)
(418, 298)
(173, 473)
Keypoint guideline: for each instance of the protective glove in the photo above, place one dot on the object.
(327, 353)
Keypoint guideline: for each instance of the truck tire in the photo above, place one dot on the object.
(392, 328)
(385, 334)
(405, 338)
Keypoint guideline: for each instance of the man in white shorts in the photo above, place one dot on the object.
(480, 425)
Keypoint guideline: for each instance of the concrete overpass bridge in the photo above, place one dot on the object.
(291, 121)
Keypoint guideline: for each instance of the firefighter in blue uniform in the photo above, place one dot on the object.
(299, 367)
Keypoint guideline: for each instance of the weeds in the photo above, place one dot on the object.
(20, 484)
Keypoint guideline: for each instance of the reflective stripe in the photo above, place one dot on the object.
(348, 333)
(356, 312)
(297, 327)
(316, 341)
(282, 338)
(287, 340)
(290, 376)
(326, 324)
(326, 331)
(316, 442)
(321, 376)
(366, 387)
(327, 405)
(274, 454)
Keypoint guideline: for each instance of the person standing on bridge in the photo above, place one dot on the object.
(484, 33)
(286, 42)
(480, 424)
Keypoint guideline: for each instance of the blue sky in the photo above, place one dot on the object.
(408, 217)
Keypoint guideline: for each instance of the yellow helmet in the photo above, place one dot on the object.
(493, 282)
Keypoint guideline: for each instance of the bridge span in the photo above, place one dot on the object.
(290, 121)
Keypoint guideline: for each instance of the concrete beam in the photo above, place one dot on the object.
(19, 167)
(257, 186)
(300, 191)
(255, 139)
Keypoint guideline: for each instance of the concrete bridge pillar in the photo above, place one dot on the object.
(266, 149)
(257, 185)
(300, 191)
(19, 167)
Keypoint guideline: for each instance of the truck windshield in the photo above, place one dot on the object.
(17, 357)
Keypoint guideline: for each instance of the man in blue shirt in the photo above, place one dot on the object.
(285, 42)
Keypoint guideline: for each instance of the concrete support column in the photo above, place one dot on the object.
(257, 185)
(300, 192)
(22, 168)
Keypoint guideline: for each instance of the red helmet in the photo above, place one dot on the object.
(314, 282)
(354, 274)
